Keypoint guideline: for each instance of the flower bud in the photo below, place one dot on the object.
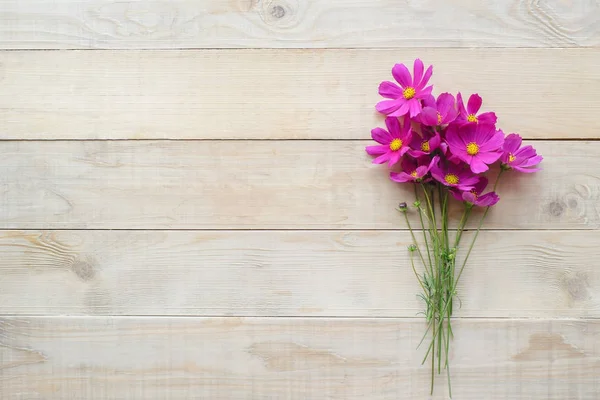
(417, 204)
(412, 248)
(402, 207)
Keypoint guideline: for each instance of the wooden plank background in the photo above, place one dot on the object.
(187, 211)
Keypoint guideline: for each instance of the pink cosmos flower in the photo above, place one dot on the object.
(426, 144)
(476, 144)
(475, 197)
(517, 157)
(440, 112)
(455, 176)
(393, 143)
(413, 169)
(406, 98)
(470, 113)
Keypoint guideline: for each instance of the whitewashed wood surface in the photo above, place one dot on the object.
(187, 211)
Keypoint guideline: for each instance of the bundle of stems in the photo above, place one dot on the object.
(439, 278)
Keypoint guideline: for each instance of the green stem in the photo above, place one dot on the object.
(433, 360)
(461, 225)
(477, 232)
(412, 234)
(423, 227)
(412, 262)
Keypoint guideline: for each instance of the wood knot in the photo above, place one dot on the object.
(84, 268)
(555, 208)
(277, 11)
(577, 286)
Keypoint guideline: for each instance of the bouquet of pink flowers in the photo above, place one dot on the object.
(444, 150)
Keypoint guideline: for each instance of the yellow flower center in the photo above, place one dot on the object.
(472, 118)
(511, 157)
(409, 93)
(425, 147)
(439, 118)
(451, 179)
(414, 174)
(472, 149)
(395, 145)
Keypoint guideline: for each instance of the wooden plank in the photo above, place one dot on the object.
(261, 185)
(288, 273)
(275, 94)
(64, 24)
(256, 358)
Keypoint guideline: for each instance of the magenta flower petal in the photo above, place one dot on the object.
(401, 75)
(480, 185)
(429, 116)
(408, 164)
(390, 90)
(417, 72)
(415, 107)
(526, 170)
(427, 91)
(401, 177)
(382, 158)
(469, 197)
(434, 142)
(394, 158)
(457, 195)
(487, 118)
(512, 143)
(388, 106)
(493, 143)
(454, 139)
(402, 110)
(377, 150)
(474, 104)
(487, 200)
(525, 152)
(425, 80)
(393, 126)
(489, 157)
(482, 133)
(429, 101)
(445, 102)
(461, 104)
(381, 136)
(477, 165)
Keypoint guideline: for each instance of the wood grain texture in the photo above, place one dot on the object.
(275, 94)
(261, 185)
(250, 358)
(60, 24)
(288, 273)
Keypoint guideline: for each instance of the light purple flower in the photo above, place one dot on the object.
(476, 144)
(475, 196)
(469, 115)
(440, 112)
(406, 98)
(393, 143)
(413, 169)
(517, 157)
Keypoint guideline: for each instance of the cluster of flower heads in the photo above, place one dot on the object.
(441, 139)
